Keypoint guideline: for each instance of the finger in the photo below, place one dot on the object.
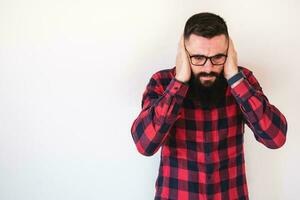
(180, 44)
(232, 45)
(183, 44)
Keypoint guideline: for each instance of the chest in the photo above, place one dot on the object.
(208, 125)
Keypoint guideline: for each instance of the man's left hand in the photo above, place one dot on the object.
(230, 66)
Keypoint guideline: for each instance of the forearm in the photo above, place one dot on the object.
(152, 126)
(267, 123)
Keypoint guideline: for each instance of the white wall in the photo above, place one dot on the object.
(72, 75)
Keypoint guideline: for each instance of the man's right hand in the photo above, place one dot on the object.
(183, 67)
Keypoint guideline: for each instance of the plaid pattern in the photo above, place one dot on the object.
(202, 154)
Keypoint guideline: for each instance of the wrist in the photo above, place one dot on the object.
(182, 81)
(231, 74)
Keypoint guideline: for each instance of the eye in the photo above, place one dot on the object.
(219, 56)
(199, 57)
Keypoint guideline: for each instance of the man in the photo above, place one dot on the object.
(196, 112)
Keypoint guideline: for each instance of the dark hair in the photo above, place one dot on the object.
(206, 25)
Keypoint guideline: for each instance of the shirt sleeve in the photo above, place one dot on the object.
(160, 109)
(268, 124)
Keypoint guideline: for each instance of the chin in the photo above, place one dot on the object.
(207, 83)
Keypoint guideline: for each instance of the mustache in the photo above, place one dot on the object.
(203, 74)
(195, 77)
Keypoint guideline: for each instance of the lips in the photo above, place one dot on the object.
(207, 77)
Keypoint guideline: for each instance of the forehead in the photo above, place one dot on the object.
(206, 46)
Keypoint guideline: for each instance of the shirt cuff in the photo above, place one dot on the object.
(177, 88)
(235, 78)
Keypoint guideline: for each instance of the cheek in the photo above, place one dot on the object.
(195, 70)
(219, 70)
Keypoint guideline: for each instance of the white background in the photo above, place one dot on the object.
(72, 74)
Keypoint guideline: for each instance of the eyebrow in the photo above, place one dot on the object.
(208, 56)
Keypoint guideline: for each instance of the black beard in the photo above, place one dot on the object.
(208, 96)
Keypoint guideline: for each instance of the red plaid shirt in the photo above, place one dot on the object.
(202, 154)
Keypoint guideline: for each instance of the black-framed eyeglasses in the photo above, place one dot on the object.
(200, 60)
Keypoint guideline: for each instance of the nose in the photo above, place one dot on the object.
(207, 67)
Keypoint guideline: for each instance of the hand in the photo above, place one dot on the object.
(183, 67)
(230, 66)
